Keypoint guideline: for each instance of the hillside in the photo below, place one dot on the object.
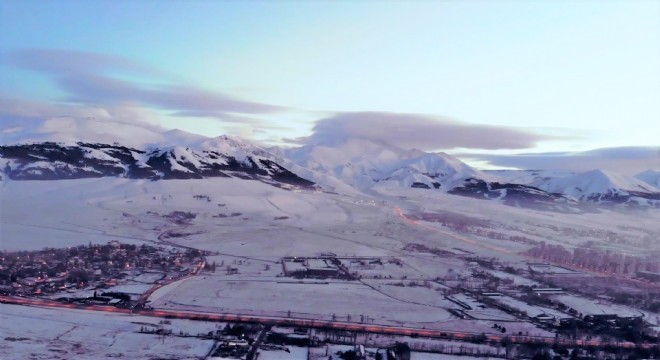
(220, 157)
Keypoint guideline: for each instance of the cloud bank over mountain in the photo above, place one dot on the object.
(627, 160)
(22, 120)
(424, 132)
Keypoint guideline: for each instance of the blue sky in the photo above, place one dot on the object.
(551, 75)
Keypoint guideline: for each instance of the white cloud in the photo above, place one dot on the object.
(35, 121)
(423, 132)
(625, 160)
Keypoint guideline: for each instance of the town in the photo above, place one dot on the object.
(122, 271)
(487, 290)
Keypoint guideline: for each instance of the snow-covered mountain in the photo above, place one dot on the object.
(364, 163)
(97, 129)
(650, 177)
(603, 187)
(369, 165)
(218, 157)
(349, 167)
(528, 177)
(596, 186)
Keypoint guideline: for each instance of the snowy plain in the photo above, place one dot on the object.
(250, 226)
(39, 333)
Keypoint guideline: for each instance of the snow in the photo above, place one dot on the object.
(129, 288)
(585, 185)
(431, 356)
(479, 310)
(551, 269)
(148, 277)
(232, 146)
(295, 353)
(273, 222)
(75, 212)
(528, 177)
(100, 129)
(274, 297)
(594, 307)
(530, 310)
(31, 332)
(595, 182)
(651, 177)
(517, 279)
(379, 343)
(362, 163)
(367, 164)
(356, 165)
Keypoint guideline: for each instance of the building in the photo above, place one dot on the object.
(548, 291)
(654, 332)
(310, 267)
(400, 351)
(322, 272)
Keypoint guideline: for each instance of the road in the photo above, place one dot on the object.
(145, 297)
(321, 324)
(257, 342)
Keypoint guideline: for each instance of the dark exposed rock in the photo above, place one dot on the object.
(510, 194)
(419, 185)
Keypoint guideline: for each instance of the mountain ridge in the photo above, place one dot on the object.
(58, 161)
(352, 166)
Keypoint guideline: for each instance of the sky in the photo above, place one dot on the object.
(485, 79)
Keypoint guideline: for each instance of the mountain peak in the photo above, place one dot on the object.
(616, 181)
(598, 184)
(180, 137)
(363, 163)
(51, 161)
(236, 146)
(651, 177)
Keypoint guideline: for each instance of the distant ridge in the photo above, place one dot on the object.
(223, 157)
(350, 167)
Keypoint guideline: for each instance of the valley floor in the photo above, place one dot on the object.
(247, 227)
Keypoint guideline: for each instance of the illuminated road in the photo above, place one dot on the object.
(416, 222)
(320, 324)
(196, 271)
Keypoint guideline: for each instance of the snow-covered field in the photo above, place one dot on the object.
(331, 351)
(517, 279)
(530, 310)
(257, 219)
(249, 226)
(39, 333)
(311, 300)
(295, 353)
(589, 307)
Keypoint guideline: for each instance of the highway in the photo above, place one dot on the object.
(319, 324)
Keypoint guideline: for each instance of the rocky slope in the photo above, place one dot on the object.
(219, 157)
